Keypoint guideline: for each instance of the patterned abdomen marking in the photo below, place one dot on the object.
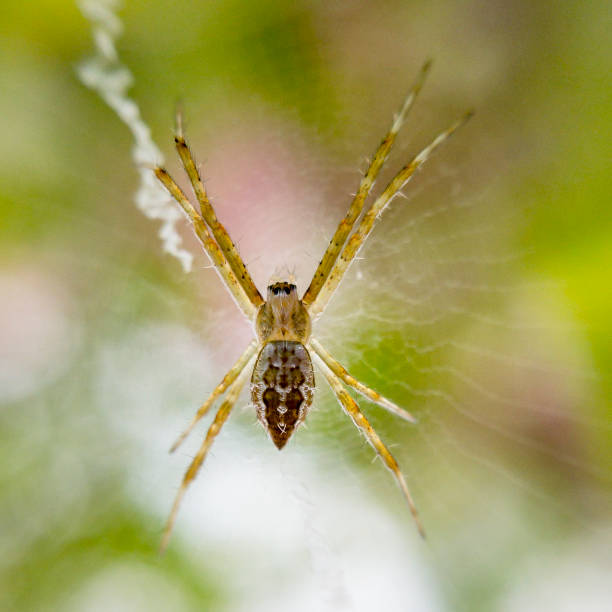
(282, 387)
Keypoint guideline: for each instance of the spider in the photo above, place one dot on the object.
(280, 358)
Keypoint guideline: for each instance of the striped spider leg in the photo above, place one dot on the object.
(196, 463)
(350, 407)
(321, 289)
(212, 248)
(218, 391)
(365, 186)
(279, 359)
(339, 255)
(340, 371)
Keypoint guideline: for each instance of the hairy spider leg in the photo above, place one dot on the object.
(339, 370)
(344, 228)
(210, 218)
(219, 390)
(211, 434)
(210, 245)
(350, 407)
(356, 241)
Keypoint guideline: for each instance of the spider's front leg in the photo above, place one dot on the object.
(214, 252)
(365, 186)
(218, 230)
(360, 235)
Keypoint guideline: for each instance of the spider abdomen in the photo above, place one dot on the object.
(282, 387)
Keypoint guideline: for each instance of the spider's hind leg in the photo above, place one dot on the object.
(196, 464)
(219, 390)
(349, 405)
(339, 370)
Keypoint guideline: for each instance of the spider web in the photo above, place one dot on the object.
(439, 313)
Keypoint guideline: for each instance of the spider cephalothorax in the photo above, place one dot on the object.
(282, 380)
(283, 316)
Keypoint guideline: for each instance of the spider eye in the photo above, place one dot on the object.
(282, 288)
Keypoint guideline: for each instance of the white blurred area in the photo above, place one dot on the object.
(575, 578)
(293, 530)
(38, 333)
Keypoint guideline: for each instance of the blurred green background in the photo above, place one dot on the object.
(482, 304)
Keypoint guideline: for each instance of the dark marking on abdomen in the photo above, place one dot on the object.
(282, 387)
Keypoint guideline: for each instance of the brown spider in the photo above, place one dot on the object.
(282, 378)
